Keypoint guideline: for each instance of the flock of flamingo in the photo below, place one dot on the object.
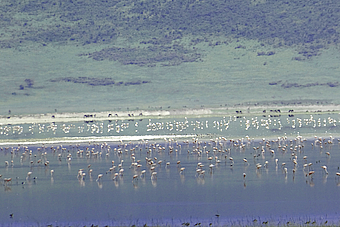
(145, 160)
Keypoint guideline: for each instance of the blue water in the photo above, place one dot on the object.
(222, 196)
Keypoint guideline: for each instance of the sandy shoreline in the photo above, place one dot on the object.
(163, 114)
(274, 112)
(93, 139)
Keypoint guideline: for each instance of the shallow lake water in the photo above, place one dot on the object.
(212, 170)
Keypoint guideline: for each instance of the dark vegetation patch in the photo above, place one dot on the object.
(291, 102)
(308, 25)
(275, 82)
(308, 53)
(25, 87)
(86, 80)
(265, 53)
(147, 56)
(93, 81)
(240, 47)
(287, 84)
(29, 83)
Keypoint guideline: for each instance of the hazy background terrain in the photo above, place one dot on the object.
(69, 56)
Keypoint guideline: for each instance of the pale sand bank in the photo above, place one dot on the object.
(93, 139)
(163, 114)
(241, 111)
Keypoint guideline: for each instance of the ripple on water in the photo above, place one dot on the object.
(270, 192)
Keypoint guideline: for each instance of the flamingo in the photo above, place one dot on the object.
(325, 168)
(310, 174)
(28, 175)
(99, 177)
(134, 177)
(182, 170)
(154, 176)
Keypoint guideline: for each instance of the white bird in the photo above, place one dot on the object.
(325, 168)
(231, 160)
(135, 177)
(115, 176)
(80, 173)
(202, 173)
(178, 164)
(99, 177)
(121, 172)
(181, 170)
(28, 175)
(198, 171)
(266, 164)
(7, 180)
(154, 176)
(310, 173)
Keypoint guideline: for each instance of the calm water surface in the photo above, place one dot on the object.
(220, 195)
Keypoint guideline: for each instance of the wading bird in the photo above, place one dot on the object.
(99, 177)
(325, 168)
